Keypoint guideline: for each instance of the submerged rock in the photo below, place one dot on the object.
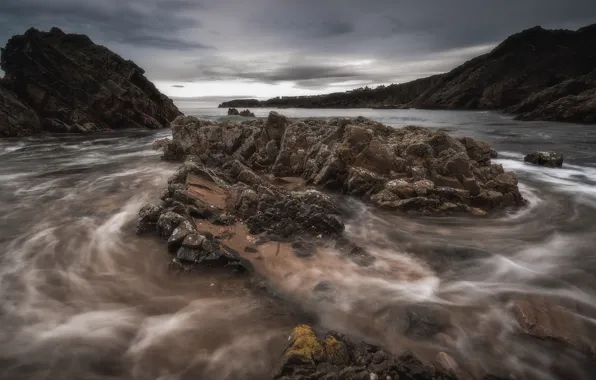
(549, 159)
(545, 319)
(75, 86)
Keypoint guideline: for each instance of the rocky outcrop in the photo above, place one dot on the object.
(338, 357)
(411, 169)
(549, 159)
(249, 191)
(74, 85)
(16, 117)
(573, 100)
(535, 74)
(235, 112)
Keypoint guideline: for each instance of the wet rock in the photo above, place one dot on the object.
(422, 187)
(361, 182)
(477, 150)
(548, 159)
(401, 188)
(426, 320)
(193, 241)
(188, 255)
(179, 234)
(148, 217)
(357, 156)
(247, 113)
(487, 199)
(75, 86)
(167, 223)
(545, 319)
(276, 126)
(338, 357)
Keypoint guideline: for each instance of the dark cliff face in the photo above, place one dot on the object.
(537, 74)
(75, 85)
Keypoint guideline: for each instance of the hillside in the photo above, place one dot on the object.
(536, 74)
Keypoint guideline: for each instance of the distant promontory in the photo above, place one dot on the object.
(537, 74)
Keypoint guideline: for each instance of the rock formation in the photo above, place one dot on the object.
(338, 357)
(536, 74)
(248, 190)
(550, 159)
(408, 169)
(235, 112)
(74, 85)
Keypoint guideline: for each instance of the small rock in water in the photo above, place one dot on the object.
(548, 159)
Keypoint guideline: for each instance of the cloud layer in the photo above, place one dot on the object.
(304, 44)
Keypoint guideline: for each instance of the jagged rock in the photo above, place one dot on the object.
(395, 168)
(233, 112)
(179, 234)
(148, 217)
(549, 159)
(247, 113)
(167, 223)
(74, 85)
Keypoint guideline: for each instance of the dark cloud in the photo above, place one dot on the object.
(152, 23)
(178, 86)
(311, 43)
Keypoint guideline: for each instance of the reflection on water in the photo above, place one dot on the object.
(83, 297)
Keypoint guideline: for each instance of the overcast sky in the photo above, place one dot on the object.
(264, 48)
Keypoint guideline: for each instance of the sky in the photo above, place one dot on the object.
(265, 48)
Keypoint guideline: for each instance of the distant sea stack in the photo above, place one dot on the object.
(537, 74)
(58, 82)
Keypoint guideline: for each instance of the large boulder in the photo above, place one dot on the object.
(549, 159)
(74, 85)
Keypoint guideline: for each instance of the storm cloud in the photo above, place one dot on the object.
(315, 45)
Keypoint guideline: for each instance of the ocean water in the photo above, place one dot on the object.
(84, 298)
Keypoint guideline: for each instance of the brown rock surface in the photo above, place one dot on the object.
(408, 169)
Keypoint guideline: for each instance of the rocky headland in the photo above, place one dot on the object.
(58, 82)
(250, 191)
(537, 74)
